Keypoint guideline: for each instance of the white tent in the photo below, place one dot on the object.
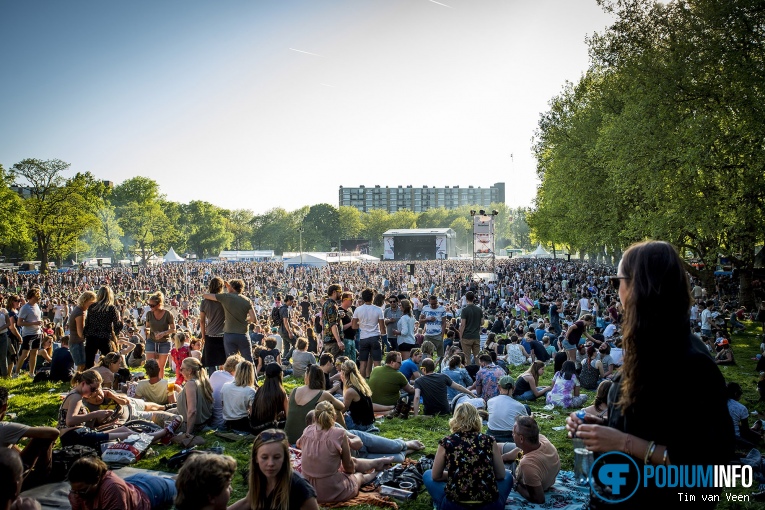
(171, 256)
(307, 259)
(540, 252)
(367, 258)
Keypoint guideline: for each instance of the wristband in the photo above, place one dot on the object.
(649, 452)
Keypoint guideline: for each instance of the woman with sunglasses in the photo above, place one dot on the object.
(654, 290)
(95, 486)
(161, 324)
(273, 485)
(327, 462)
(72, 416)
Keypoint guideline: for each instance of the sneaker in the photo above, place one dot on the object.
(172, 428)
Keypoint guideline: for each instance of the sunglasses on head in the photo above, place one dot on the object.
(615, 281)
(266, 437)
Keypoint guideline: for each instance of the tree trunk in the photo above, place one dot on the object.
(43, 250)
(746, 291)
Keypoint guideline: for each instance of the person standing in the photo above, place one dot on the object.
(391, 316)
(101, 324)
(433, 317)
(287, 327)
(330, 319)
(470, 327)
(161, 324)
(211, 320)
(238, 310)
(30, 320)
(368, 319)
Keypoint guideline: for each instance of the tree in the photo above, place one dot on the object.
(207, 232)
(147, 228)
(376, 222)
(59, 210)
(13, 229)
(321, 228)
(238, 224)
(272, 229)
(350, 222)
(105, 235)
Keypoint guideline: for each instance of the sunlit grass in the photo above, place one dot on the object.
(37, 404)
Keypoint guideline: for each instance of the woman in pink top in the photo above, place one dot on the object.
(327, 462)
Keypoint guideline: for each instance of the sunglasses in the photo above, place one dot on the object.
(267, 437)
(79, 493)
(153, 305)
(614, 281)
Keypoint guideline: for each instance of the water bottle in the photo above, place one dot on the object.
(583, 458)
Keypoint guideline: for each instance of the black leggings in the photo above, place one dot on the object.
(92, 345)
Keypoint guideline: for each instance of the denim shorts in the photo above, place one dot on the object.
(157, 347)
(159, 489)
(84, 436)
(78, 353)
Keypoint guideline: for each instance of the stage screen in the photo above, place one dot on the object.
(415, 248)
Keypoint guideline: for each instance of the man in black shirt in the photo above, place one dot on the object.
(432, 386)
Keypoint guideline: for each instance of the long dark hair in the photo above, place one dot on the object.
(658, 303)
(269, 400)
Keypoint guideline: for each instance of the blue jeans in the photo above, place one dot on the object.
(353, 426)
(377, 446)
(436, 491)
(78, 353)
(160, 490)
(528, 395)
(235, 342)
(4, 354)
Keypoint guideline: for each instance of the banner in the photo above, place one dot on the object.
(388, 243)
(484, 244)
(441, 247)
(483, 224)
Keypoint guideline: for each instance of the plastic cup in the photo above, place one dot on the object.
(170, 387)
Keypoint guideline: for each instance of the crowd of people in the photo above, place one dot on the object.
(371, 340)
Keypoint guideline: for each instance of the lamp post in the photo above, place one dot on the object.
(300, 230)
(467, 240)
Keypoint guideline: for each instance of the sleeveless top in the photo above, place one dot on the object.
(296, 416)
(521, 386)
(362, 411)
(589, 376)
(62, 412)
(514, 355)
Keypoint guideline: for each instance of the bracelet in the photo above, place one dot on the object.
(649, 452)
(665, 457)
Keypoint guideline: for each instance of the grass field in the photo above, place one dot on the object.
(37, 404)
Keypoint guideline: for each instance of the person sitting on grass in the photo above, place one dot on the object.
(62, 363)
(746, 438)
(725, 356)
(540, 464)
(11, 480)
(37, 455)
(432, 387)
(565, 391)
(468, 471)
(204, 482)
(599, 408)
(95, 486)
(237, 397)
(72, 416)
(504, 410)
(327, 462)
(155, 388)
(527, 386)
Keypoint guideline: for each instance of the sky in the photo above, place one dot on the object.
(254, 104)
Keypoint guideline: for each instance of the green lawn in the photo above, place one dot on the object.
(37, 404)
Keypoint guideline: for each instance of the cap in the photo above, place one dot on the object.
(506, 382)
(724, 341)
(274, 329)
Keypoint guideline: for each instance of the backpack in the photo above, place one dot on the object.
(65, 457)
(276, 318)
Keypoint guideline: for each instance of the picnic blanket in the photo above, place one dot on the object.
(565, 494)
(364, 498)
(54, 496)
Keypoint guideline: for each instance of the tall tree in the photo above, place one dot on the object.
(58, 210)
(148, 230)
(207, 232)
(321, 228)
(237, 222)
(13, 229)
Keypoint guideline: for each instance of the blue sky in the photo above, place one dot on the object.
(261, 104)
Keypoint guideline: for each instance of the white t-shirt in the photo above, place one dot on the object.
(58, 311)
(30, 313)
(217, 380)
(503, 410)
(369, 317)
(433, 327)
(706, 316)
(609, 331)
(236, 400)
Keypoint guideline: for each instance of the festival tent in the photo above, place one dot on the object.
(307, 259)
(171, 256)
(540, 252)
(367, 258)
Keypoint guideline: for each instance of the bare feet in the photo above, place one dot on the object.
(382, 463)
(414, 446)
